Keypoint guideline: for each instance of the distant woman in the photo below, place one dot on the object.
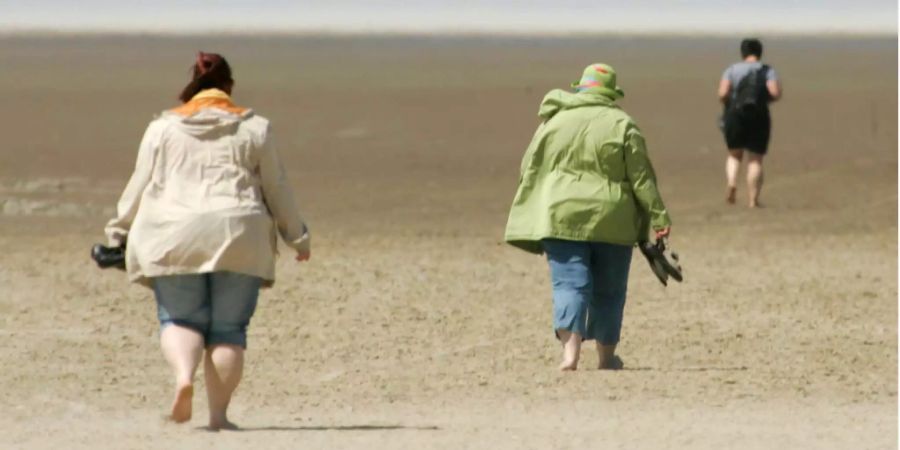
(746, 89)
(199, 216)
(587, 193)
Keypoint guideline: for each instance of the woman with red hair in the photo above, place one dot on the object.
(199, 215)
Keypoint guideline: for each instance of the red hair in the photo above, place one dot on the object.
(209, 71)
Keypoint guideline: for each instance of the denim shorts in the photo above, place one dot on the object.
(590, 280)
(217, 305)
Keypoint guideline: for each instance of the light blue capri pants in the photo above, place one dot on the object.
(590, 280)
(217, 305)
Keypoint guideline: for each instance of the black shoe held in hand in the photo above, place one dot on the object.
(663, 261)
(107, 257)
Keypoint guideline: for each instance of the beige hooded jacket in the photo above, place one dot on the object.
(207, 194)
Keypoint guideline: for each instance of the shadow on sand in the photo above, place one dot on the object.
(689, 369)
(332, 428)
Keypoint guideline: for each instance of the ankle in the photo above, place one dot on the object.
(606, 352)
(218, 416)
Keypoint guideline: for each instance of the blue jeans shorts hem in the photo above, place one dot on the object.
(218, 305)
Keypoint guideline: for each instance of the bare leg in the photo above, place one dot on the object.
(571, 349)
(183, 348)
(608, 358)
(224, 365)
(754, 178)
(732, 166)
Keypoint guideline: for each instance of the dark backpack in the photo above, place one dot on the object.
(751, 94)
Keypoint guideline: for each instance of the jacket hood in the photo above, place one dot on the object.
(558, 100)
(207, 121)
(210, 111)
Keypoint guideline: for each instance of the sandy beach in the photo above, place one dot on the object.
(414, 325)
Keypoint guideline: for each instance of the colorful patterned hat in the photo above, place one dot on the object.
(599, 78)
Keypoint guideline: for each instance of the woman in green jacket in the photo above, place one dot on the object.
(587, 193)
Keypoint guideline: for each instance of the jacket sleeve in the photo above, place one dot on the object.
(127, 208)
(279, 197)
(643, 179)
(529, 152)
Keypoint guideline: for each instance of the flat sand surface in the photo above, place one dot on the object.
(414, 326)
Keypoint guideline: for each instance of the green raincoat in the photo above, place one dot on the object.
(585, 177)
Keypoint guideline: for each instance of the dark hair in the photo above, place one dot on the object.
(208, 72)
(751, 46)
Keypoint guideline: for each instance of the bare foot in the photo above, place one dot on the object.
(571, 349)
(614, 363)
(181, 407)
(756, 205)
(224, 424)
(731, 197)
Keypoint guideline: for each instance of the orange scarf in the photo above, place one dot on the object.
(209, 98)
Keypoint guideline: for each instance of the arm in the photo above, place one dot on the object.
(773, 84)
(774, 88)
(724, 90)
(280, 200)
(529, 152)
(643, 180)
(725, 86)
(127, 208)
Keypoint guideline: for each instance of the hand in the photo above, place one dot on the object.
(663, 232)
(303, 256)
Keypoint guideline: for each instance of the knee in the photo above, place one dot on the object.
(571, 298)
(227, 333)
(611, 297)
(199, 326)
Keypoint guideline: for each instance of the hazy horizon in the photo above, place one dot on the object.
(473, 16)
